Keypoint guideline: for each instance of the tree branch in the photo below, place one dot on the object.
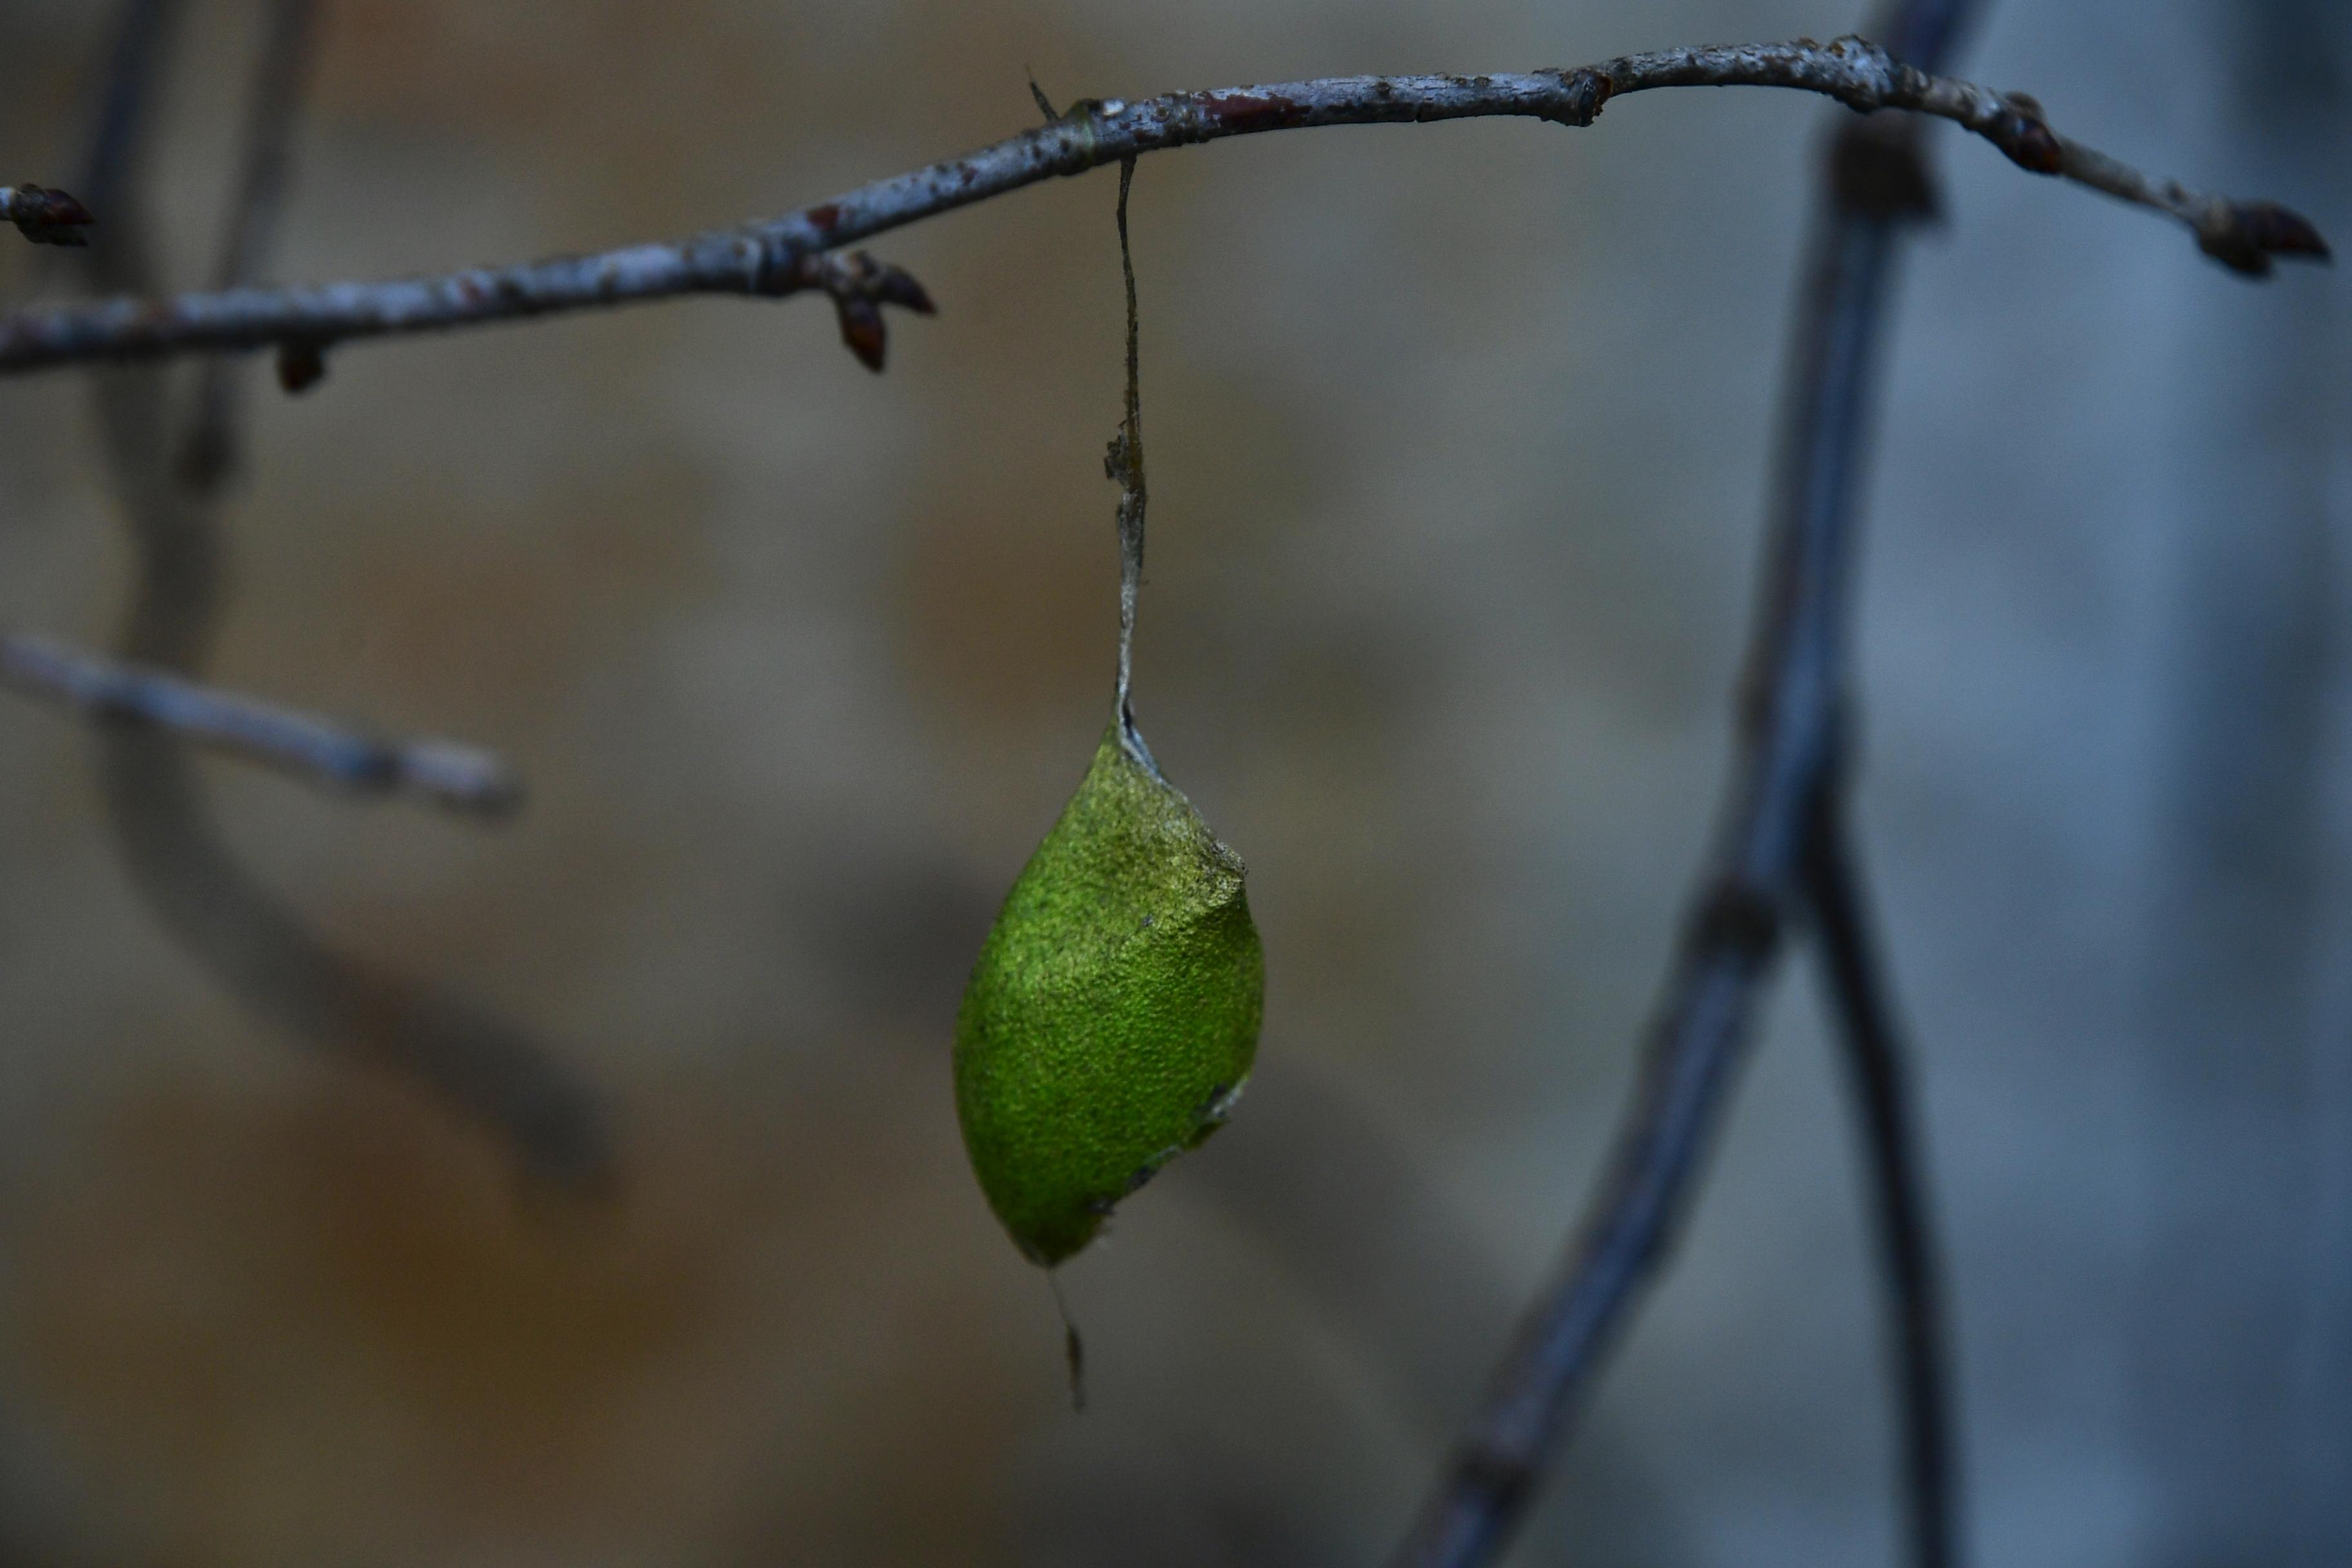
(1907, 1248)
(771, 259)
(1769, 853)
(1876, 182)
(258, 946)
(273, 110)
(319, 749)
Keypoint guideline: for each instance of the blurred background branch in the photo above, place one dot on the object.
(331, 754)
(1782, 847)
(1896, 1168)
(482, 1067)
(273, 106)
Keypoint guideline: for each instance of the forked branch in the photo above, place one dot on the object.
(183, 865)
(1773, 860)
(1880, 1079)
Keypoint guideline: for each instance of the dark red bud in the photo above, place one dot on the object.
(49, 217)
(861, 330)
(302, 365)
(2031, 145)
(2249, 234)
(896, 286)
(2282, 231)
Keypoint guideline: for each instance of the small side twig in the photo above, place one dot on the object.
(766, 258)
(318, 750)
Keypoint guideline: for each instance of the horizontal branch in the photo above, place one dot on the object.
(771, 259)
(319, 749)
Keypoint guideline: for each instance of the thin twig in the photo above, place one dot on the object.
(769, 258)
(1907, 1248)
(318, 749)
(272, 113)
(257, 945)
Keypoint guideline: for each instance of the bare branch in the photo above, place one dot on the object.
(1906, 1247)
(1839, 319)
(1726, 950)
(321, 750)
(1782, 785)
(770, 259)
(259, 947)
(1730, 939)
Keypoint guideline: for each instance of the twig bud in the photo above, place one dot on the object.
(2245, 236)
(301, 365)
(46, 216)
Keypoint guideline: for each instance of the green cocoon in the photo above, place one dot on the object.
(1113, 1015)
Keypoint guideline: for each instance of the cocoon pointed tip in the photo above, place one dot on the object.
(1113, 1013)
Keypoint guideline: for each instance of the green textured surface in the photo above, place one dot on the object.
(1114, 1011)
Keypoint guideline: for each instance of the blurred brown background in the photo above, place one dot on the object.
(1458, 440)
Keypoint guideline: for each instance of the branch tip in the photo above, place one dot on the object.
(325, 752)
(46, 217)
(898, 287)
(2247, 236)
